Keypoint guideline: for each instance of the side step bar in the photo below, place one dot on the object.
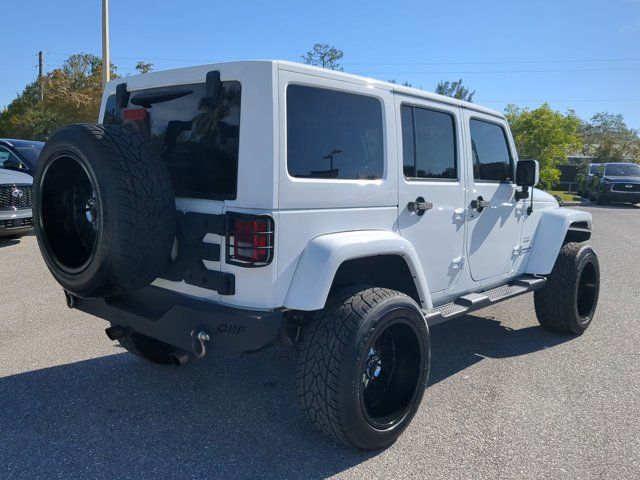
(475, 301)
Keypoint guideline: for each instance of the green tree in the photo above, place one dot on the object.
(545, 135)
(72, 94)
(144, 67)
(455, 90)
(607, 138)
(325, 56)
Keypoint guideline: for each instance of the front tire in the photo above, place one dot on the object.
(363, 367)
(568, 301)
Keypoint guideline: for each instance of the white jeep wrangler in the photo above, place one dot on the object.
(230, 207)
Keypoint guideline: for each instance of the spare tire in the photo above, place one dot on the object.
(104, 210)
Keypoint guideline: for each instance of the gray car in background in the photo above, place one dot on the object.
(16, 200)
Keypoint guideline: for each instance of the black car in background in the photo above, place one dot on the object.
(20, 155)
(616, 182)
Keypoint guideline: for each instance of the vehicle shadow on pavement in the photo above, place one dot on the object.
(7, 242)
(117, 416)
(460, 343)
(222, 417)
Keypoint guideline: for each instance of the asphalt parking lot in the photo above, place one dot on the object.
(507, 399)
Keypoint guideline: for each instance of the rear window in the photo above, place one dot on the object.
(428, 143)
(333, 134)
(197, 138)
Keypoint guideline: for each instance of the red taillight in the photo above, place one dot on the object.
(134, 114)
(250, 240)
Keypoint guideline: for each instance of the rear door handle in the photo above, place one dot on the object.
(419, 206)
(480, 204)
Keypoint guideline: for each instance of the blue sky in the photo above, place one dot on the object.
(583, 54)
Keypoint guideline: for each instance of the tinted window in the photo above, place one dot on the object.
(30, 153)
(623, 170)
(594, 169)
(428, 143)
(197, 137)
(333, 134)
(491, 158)
(8, 159)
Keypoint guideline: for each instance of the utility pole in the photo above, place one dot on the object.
(40, 69)
(106, 61)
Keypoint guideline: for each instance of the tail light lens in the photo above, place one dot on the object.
(135, 114)
(250, 240)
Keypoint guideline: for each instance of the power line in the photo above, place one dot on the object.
(562, 100)
(502, 62)
(621, 69)
(488, 62)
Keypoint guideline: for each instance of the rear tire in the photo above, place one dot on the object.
(568, 301)
(363, 367)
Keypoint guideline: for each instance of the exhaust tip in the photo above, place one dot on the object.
(116, 332)
(69, 299)
(179, 359)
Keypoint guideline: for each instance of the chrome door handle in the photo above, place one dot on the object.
(419, 206)
(480, 204)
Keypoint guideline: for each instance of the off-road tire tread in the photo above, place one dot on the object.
(145, 206)
(322, 351)
(555, 302)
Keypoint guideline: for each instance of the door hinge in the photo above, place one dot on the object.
(457, 263)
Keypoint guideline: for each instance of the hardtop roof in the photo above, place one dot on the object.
(191, 74)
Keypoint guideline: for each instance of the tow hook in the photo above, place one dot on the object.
(70, 299)
(200, 341)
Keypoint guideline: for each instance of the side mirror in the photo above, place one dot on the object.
(527, 173)
(13, 164)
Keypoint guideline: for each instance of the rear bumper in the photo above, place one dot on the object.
(175, 319)
(15, 222)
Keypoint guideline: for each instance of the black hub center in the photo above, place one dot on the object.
(391, 375)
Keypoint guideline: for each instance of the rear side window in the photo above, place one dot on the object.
(197, 138)
(491, 156)
(332, 134)
(428, 143)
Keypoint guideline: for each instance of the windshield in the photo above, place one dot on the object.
(623, 170)
(594, 168)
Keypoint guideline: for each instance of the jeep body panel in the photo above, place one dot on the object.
(451, 250)
(323, 256)
(258, 119)
(549, 236)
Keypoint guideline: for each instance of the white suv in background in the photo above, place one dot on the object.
(231, 207)
(16, 199)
